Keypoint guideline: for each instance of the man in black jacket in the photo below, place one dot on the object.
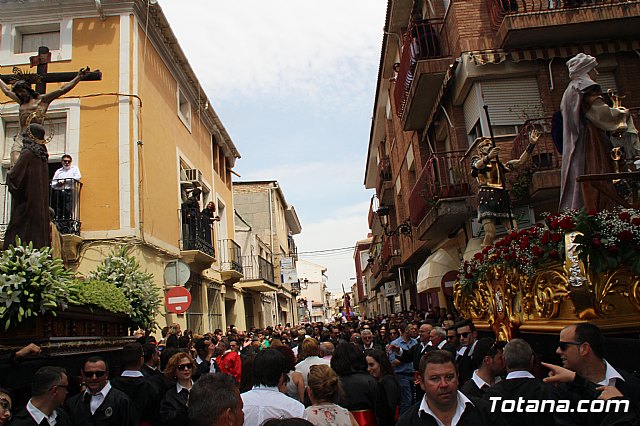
(438, 339)
(488, 362)
(143, 396)
(521, 384)
(48, 392)
(151, 360)
(442, 402)
(100, 404)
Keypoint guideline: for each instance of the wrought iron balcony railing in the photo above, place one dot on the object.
(64, 199)
(196, 232)
(257, 268)
(425, 39)
(445, 175)
(230, 256)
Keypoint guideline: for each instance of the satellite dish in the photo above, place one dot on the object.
(176, 273)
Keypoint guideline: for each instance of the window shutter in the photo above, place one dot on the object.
(472, 107)
(512, 101)
(607, 80)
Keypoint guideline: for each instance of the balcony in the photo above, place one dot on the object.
(528, 23)
(293, 249)
(230, 261)
(390, 253)
(384, 185)
(438, 202)
(423, 66)
(197, 248)
(258, 274)
(545, 161)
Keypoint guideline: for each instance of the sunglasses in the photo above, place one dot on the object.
(5, 404)
(565, 345)
(66, 161)
(185, 367)
(93, 373)
(464, 334)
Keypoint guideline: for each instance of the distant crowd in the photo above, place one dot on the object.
(411, 368)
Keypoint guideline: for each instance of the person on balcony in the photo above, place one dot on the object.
(63, 188)
(190, 213)
(207, 218)
(493, 198)
(586, 118)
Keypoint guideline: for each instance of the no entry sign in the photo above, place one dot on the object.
(178, 300)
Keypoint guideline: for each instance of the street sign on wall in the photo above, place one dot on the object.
(177, 300)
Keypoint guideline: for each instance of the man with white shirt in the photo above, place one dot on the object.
(265, 401)
(442, 403)
(521, 384)
(49, 390)
(468, 338)
(488, 362)
(367, 341)
(99, 404)
(65, 193)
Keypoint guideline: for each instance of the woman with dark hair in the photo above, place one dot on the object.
(173, 408)
(362, 394)
(380, 368)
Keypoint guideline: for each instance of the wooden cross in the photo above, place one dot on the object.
(42, 77)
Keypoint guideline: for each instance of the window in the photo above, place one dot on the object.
(184, 109)
(55, 127)
(29, 38)
(19, 41)
(511, 101)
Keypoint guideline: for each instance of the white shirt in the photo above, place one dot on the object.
(303, 366)
(464, 348)
(461, 405)
(610, 376)
(73, 172)
(38, 415)
(179, 387)
(478, 380)
(212, 368)
(98, 398)
(520, 375)
(262, 403)
(132, 373)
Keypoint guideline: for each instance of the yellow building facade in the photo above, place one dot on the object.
(144, 137)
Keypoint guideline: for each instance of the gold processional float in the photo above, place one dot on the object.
(581, 266)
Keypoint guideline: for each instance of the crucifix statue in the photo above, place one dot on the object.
(34, 103)
(28, 179)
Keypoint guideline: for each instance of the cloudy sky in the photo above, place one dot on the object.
(293, 81)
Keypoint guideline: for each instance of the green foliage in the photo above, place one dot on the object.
(103, 295)
(32, 282)
(124, 272)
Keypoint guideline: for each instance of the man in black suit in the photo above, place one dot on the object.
(488, 364)
(151, 360)
(143, 396)
(587, 373)
(468, 338)
(520, 383)
(100, 404)
(438, 339)
(205, 348)
(367, 341)
(415, 353)
(48, 392)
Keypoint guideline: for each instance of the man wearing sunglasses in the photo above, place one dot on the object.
(48, 392)
(99, 404)
(468, 339)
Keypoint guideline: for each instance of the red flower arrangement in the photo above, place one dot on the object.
(524, 250)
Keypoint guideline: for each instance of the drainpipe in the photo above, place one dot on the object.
(275, 294)
(100, 11)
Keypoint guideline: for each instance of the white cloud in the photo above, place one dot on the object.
(279, 47)
(344, 229)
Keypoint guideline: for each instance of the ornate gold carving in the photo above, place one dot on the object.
(544, 292)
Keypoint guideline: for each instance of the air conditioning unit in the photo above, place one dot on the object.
(193, 175)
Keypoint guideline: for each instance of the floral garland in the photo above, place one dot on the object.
(524, 250)
(607, 240)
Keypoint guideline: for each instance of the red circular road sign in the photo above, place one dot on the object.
(178, 300)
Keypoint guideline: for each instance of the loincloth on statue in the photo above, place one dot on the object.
(493, 203)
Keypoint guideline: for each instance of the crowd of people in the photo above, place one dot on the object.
(404, 369)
